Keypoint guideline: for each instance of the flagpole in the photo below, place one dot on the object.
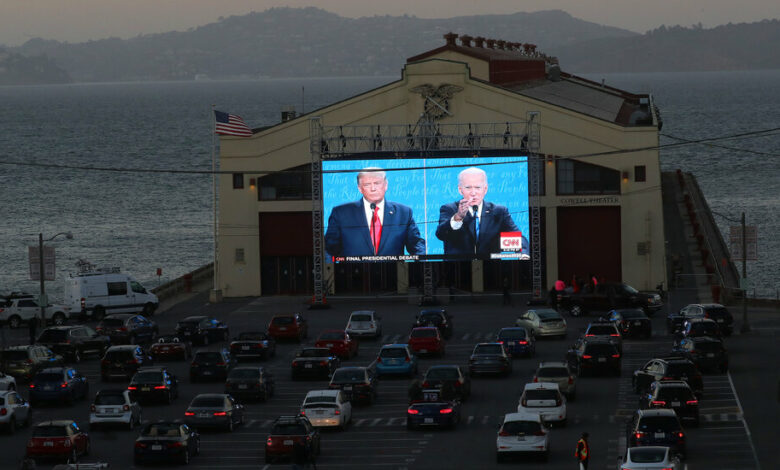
(216, 293)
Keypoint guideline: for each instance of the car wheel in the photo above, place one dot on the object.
(58, 319)
(98, 313)
(168, 398)
(185, 457)
(575, 310)
(197, 447)
(15, 322)
(230, 424)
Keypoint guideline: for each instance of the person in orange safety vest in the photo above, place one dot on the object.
(583, 451)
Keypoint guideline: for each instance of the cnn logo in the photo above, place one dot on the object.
(511, 241)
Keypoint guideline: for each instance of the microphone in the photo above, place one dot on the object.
(373, 206)
(475, 209)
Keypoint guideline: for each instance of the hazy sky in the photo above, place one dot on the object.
(82, 20)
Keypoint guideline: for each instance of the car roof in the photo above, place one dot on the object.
(290, 419)
(540, 386)
(520, 416)
(671, 383)
(194, 318)
(701, 320)
(322, 393)
(260, 368)
(211, 395)
(122, 347)
(56, 422)
(396, 345)
(433, 310)
(112, 391)
(63, 327)
(153, 369)
(705, 339)
(120, 315)
(444, 366)
(543, 310)
(361, 368)
(425, 328)
(22, 347)
(598, 340)
(52, 370)
(553, 364)
(372, 312)
(671, 359)
(657, 412)
(492, 343)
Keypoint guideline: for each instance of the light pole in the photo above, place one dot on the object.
(41, 274)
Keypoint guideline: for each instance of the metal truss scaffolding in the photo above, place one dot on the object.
(424, 138)
(536, 175)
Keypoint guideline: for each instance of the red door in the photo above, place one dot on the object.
(589, 243)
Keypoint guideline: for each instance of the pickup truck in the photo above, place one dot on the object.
(608, 296)
(18, 309)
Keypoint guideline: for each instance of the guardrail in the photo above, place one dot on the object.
(184, 283)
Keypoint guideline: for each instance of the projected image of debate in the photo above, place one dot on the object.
(426, 209)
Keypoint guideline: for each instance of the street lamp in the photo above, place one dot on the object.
(41, 274)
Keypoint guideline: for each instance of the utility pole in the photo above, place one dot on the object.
(745, 325)
(42, 277)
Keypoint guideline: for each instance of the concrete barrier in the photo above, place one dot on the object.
(184, 283)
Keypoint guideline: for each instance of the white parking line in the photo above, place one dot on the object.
(744, 422)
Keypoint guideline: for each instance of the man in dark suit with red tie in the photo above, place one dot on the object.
(372, 225)
(472, 225)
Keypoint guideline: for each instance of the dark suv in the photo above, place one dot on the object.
(675, 395)
(632, 322)
(286, 433)
(126, 328)
(123, 361)
(357, 383)
(605, 330)
(438, 318)
(717, 312)
(202, 330)
(668, 368)
(704, 351)
(446, 376)
(154, 383)
(594, 355)
(73, 342)
(659, 427)
(213, 365)
(23, 362)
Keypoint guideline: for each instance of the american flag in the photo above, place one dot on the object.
(231, 124)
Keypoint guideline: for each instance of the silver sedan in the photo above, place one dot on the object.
(543, 322)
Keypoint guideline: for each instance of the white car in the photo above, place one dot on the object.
(559, 373)
(650, 458)
(7, 382)
(327, 408)
(20, 310)
(15, 411)
(114, 407)
(544, 399)
(364, 323)
(522, 432)
(543, 322)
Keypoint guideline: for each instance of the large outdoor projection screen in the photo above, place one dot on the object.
(421, 196)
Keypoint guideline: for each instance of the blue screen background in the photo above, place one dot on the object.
(425, 188)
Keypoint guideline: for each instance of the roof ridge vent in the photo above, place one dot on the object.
(450, 38)
(479, 41)
(465, 40)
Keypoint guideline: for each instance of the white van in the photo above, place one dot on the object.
(105, 291)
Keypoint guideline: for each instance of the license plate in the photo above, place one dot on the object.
(602, 359)
(319, 412)
(145, 389)
(660, 435)
(203, 415)
(156, 447)
(47, 387)
(329, 345)
(245, 348)
(423, 351)
(165, 349)
(186, 333)
(710, 354)
(347, 387)
(283, 328)
(308, 366)
(206, 372)
(675, 403)
(720, 320)
(48, 444)
(243, 386)
(637, 323)
(428, 420)
(520, 438)
(287, 442)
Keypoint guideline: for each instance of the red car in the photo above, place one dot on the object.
(288, 327)
(426, 340)
(59, 440)
(338, 343)
(170, 347)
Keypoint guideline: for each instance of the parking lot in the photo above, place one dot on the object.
(378, 437)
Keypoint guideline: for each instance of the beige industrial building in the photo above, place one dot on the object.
(600, 192)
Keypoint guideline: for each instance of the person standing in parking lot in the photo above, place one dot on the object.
(583, 451)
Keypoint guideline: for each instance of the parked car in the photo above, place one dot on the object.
(396, 359)
(363, 323)
(15, 411)
(114, 406)
(543, 322)
(675, 395)
(20, 308)
(544, 399)
(286, 433)
(123, 361)
(211, 365)
(202, 330)
(292, 326)
(357, 383)
(594, 356)
(608, 296)
(7, 382)
(705, 352)
(717, 312)
(522, 433)
(250, 382)
(314, 362)
(215, 410)
(435, 317)
(61, 384)
(650, 458)
(490, 358)
(605, 330)
(166, 441)
(699, 327)
(327, 408)
(253, 345)
(426, 340)
(23, 362)
(631, 322)
(668, 368)
(338, 343)
(74, 342)
(171, 347)
(656, 427)
(433, 411)
(449, 376)
(517, 341)
(127, 328)
(154, 384)
(558, 373)
(58, 440)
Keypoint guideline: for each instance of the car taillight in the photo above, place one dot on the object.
(174, 444)
(132, 387)
(407, 359)
(692, 402)
(126, 408)
(500, 342)
(639, 434)
(336, 412)
(269, 441)
(220, 363)
(32, 385)
(667, 378)
(540, 433)
(123, 328)
(92, 408)
(133, 361)
(64, 385)
(445, 411)
(3, 411)
(524, 402)
(323, 363)
(426, 384)
(680, 435)
(303, 413)
(503, 433)
(28, 361)
(220, 413)
(160, 387)
(614, 334)
(189, 413)
(536, 379)
(413, 411)
(587, 356)
(659, 403)
(458, 383)
(616, 356)
(590, 334)
(571, 380)
(522, 342)
(141, 445)
(558, 402)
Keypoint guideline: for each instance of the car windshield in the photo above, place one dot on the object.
(543, 315)
(112, 322)
(320, 399)
(601, 330)
(719, 312)
(683, 368)
(430, 318)
(392, 352)
(53, 336)
(161, 429)
(423, 333)
(332, 335)
(552, 372)
(109, 399)
(541, 395)
(282, 321)
(659, 423)
(208, 356)
(288, 429)
(50, 431)
(629, 289)
(244, 374)
(118, 355)
(709, 346)
(446, 373)
(349, 376)
(675, 393)
(361, 317)
(488, 349)
(208, 402)
(315, 352)
(521, 427)
(600, 349)
(49, 377)
(704, 329)
(17, 355)
(512, 334)
(647, 455)
(147, 377)
(253, 336)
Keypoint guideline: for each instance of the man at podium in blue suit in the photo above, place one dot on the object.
(372, 225)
